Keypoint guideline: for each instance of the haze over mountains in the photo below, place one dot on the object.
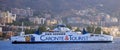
(58, 6)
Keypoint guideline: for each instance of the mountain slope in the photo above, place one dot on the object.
(61, 5)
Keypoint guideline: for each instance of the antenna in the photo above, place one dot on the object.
(22, 26)
(22, 32)
(101, 27)
(60, 22)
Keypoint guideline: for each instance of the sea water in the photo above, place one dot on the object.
(115, 45)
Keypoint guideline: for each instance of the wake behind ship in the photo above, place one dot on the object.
(62, 34)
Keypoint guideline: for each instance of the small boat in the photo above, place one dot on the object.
(62, 34)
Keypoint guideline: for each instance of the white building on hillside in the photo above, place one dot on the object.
(37, 20)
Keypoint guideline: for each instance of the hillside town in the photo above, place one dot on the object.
(10, 21)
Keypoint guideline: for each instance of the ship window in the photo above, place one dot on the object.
(96, 35)
(102, 36)
(47, 34)
(91, 35)
(58, 33)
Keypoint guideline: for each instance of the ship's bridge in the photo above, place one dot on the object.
(61, 28)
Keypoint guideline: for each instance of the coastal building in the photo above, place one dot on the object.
(51, 22)
(1, 34)
(74, 20)
(48, 16)
(114, 31)
(74, 28)
(37, 20)
(77, 21)
(9, 34)
(8, 31)
(0, 13)
(7, 17)
(22, 12)
(0, 31)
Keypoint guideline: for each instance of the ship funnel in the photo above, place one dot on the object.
(84, 31)
(37, 32)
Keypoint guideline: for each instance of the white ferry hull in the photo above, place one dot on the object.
(62, 39)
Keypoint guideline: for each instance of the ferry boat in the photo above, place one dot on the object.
(61, 34)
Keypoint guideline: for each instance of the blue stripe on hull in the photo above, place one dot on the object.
(62, 42)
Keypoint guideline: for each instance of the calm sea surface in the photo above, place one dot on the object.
(6, 45)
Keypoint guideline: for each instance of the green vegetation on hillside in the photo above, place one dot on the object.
(95, 30)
